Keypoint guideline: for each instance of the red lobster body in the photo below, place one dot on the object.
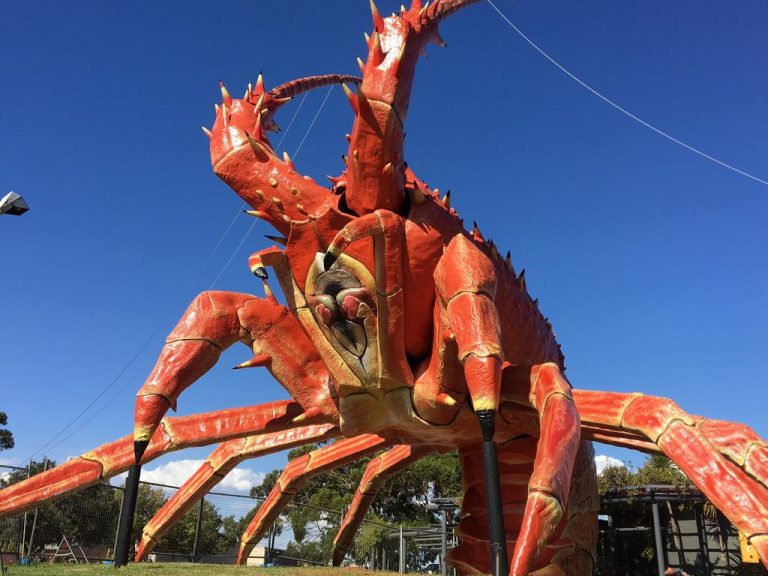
(401, 331)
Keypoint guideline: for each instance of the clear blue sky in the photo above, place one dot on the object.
(649, 260)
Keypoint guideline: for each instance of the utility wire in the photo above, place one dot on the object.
(619, 108)
(50, 444)
(311, 124)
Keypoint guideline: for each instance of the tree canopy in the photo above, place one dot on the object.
(314, 515)
(6, 437)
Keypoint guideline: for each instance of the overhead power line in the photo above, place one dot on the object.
(619, 108)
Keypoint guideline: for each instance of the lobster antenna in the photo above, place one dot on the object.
(301, 85)
(446, 8)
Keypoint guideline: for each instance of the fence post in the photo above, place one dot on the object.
(117, 528)
(24, 531)
(402, 551)
(660, 556)
(444, 544)
(125, 526)
(198, 525)
(34, 518)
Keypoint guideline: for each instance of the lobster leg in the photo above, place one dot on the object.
(726, 462)
(466, 283)
(215, 321)
(558, 445)
(216, 467)
(173, 434)
(378, 471)
(295, 474)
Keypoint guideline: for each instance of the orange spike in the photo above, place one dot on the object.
(258, 360)
(376, 54)
(351, 97)
(476, 232)
(282, 240)
(288, 161)
(378, 21)
(308, 414)
(226, 98)
(258, 150)
(521, 281)
(207, 132)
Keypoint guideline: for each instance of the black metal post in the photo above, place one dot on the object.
(498, 537)
(268, 549)
(444, 543)
(661, 559)
(198, 526)
(701, 529)
(125, 525)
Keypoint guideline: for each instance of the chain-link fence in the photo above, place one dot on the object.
(83, 526)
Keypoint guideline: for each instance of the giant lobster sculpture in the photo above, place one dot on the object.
(403, 334)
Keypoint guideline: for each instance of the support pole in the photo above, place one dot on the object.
(660, 559)
(402, 551)
(117, 529)
(24, 530)
(444, 544)
(34, 518)
(125, 526)
(701, 529)
(198, 526)
(498, 538)
(269, 543)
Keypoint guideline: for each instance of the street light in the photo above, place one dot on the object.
(13, 204)
(443, 505)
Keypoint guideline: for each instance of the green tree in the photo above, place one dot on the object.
(614, 478)
(88, 517)
(181, 538)
(6, 437)
(402, 499)
(658, 469)
(639, 546)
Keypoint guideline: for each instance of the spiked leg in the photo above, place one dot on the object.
(549, 486)
(216, 320)
(378, 471)
(727, 462)
(173, 434)
(221, 461)
(295, 474)
(466, 282)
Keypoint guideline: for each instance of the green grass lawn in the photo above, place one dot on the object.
(173, 569)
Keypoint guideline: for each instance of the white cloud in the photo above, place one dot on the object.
(177, 472)
(602, 462)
